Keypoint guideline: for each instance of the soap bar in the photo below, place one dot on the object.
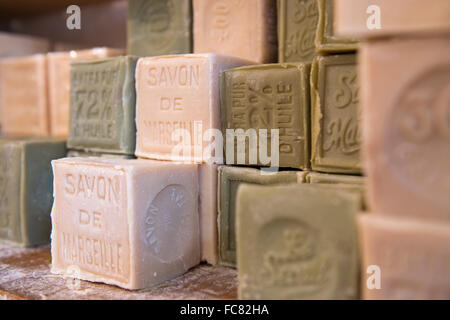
(23, 98)
(273, 96)
(406, 129)
(59, 84)
(297, 25)
(159, 27)
(102, 105)
(177, 104)
(131, 223)
(317, 177)
(83, 154)
(15, 45)
(297, 242)
(230, 178)
(409, 257)
(326, 39)
(335, 114)
(399, 17)
(26, 189)
(245, 29)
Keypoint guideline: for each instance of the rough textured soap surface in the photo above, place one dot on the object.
(82, 154)
(26, 189)
(400, 17)
(59, 84)
(335, 121)
(406, 129)
(273, 96)
(15, 45)
(245, 29)
(23, 99)
(159, 27)
(102, 105)
(178, 93)
(230, 178)
(297, 242)
(131, 223)
(412, 256)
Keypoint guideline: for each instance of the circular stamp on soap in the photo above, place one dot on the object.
(418, 136)
(169, 223)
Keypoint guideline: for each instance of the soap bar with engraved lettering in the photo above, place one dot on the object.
(177, 105)
(26, 189)
(59, 84)
(335, 133)
(405, 99)
(264, 98)
(297, 242)
(83, 154)
(131, 223)
(23, 99)
(245, 29)
(102, 105)
(159, 27)
(16, 45)
(230, 178)
(404, 258)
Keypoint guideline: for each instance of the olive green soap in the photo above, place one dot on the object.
(317, 177)
(26, 189)
(158, 27)
(230, 178)
(103, 105)
(297, 241)
(335, 123)
(266, 97)
(83, 154)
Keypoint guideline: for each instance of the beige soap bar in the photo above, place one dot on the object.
(131, 223)
(404, 258)
(23, 98)
(245, 29)
(15, 45)
(59, 84)
(359, 18)
(406, 127)
(177, 102)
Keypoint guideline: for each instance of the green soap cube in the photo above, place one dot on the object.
(26, 189)
(103, 105)
(158, 27)
(271, 96)
(83, 154)
(335, 123)
(230, 178)
(297, 242)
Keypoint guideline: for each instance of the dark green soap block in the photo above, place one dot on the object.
(26, 189)
(158, 27)
(271, 96)
(83, 154)
(297, 241)
(103, 105)
(230, 178)
(335, 124)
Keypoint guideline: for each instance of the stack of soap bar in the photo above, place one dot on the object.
(230, 178)
(177, 104)
(15, 45)
(83, 154)
(245, 29)
(273, 96)
(297, 242)
(335, 133)
(159, 27)
(409, 257)
(59, 84)
(26, 189)
(23, 98)
(102, 105)
(131, 223)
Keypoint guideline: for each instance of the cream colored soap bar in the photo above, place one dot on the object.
(388, 17)
(245, 29)
(23, 98)
(15, 45)
(406, 128)
(59, 84)
(177, 102)
(131, 223)
(404, 258)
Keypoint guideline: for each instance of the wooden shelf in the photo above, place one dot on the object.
(25, 274)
